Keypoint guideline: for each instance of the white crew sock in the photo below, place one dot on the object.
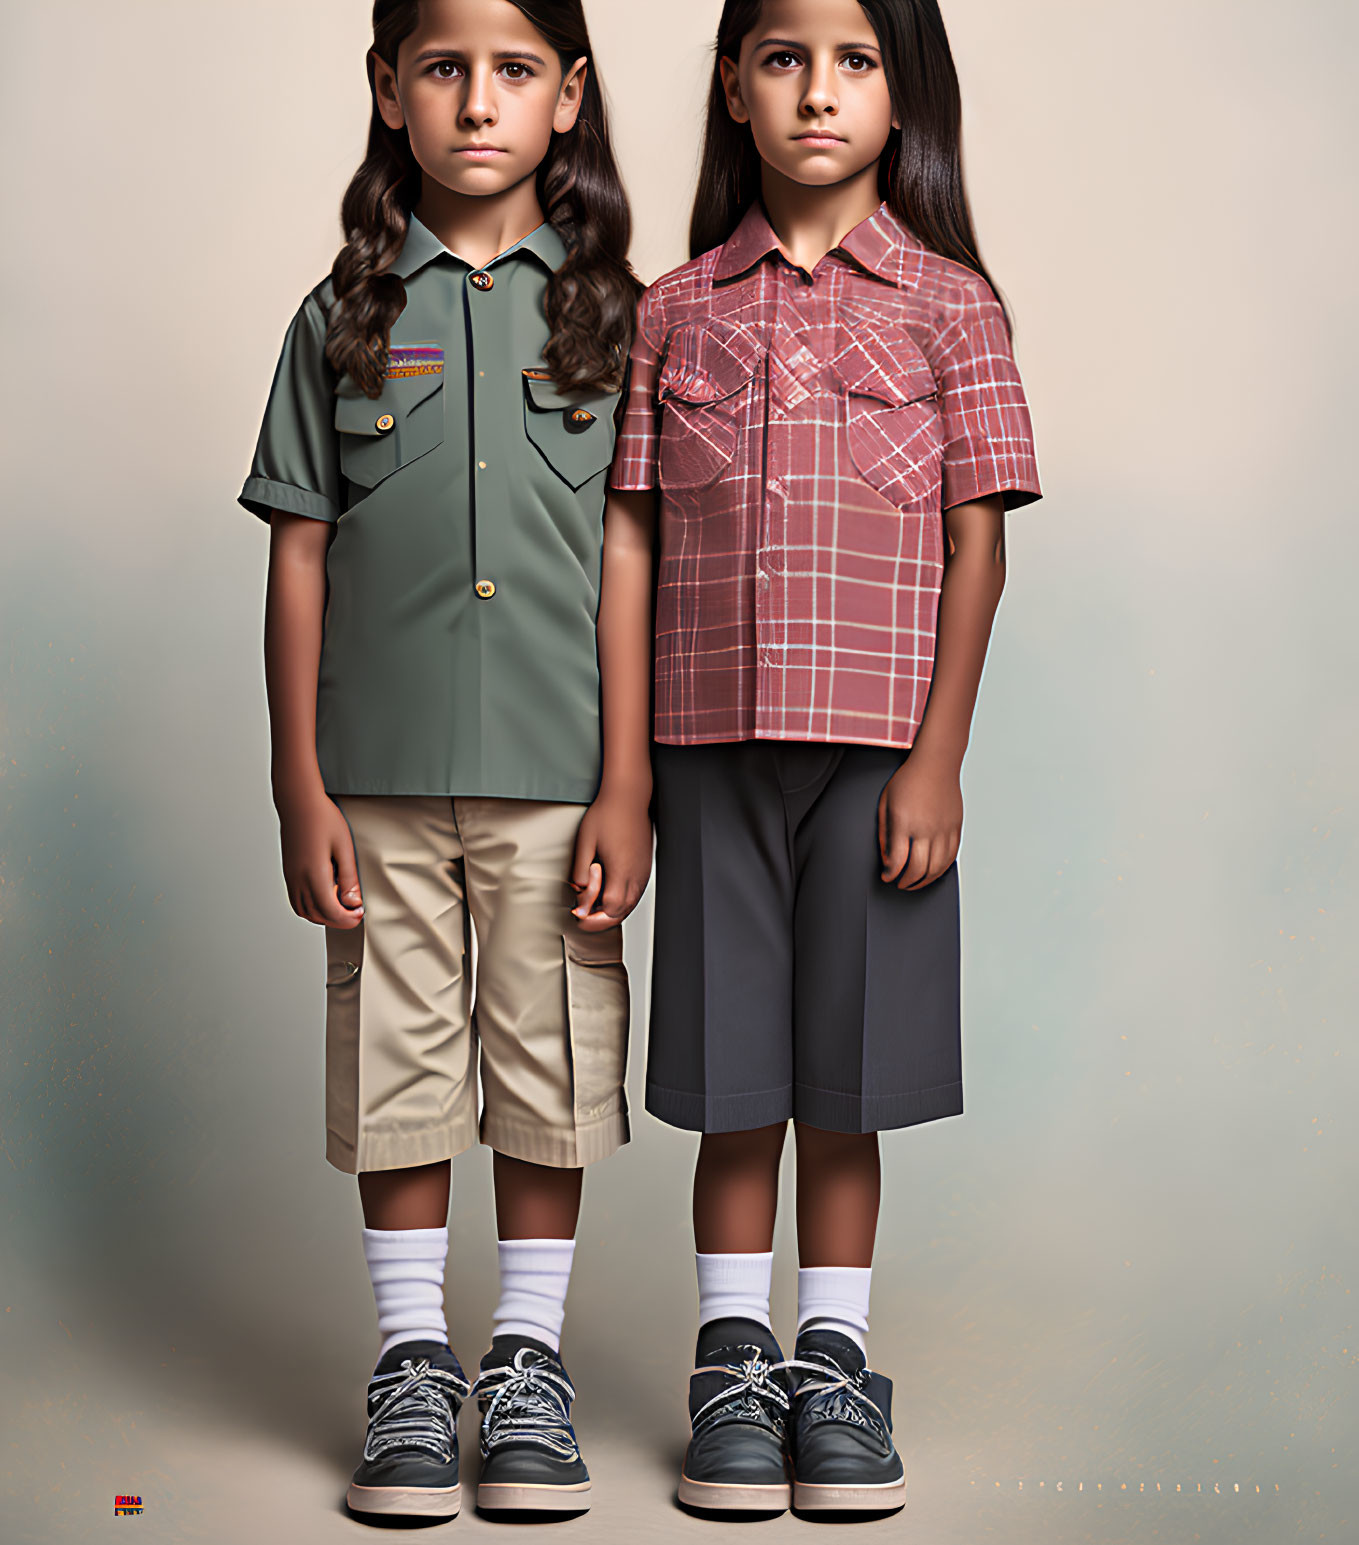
(835, 1298)
(534, 1276)
(407, 1268)
(734, 1286)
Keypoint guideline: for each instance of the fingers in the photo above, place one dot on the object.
(917, 865)
(331, 911)
(613, 899)
(939, 854)
(304, 903)
(599, 922)
(882, 830)
(594, 883)
(614, 906)
(582, 858)
(347, 878)
(335, 893)
(607, 894)
(617, 900)
(898, 849)
(315, 899)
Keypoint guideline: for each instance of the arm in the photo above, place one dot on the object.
(613, 850)
(920, 813)
(318, 852)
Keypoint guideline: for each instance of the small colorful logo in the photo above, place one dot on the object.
(414, 359)
(124, 1506)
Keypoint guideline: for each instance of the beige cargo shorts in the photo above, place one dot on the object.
(403, 1026)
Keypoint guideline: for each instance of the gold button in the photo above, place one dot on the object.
(580, 416)
(482, 280)
(482, 465)
(384, 423)
(485, 589)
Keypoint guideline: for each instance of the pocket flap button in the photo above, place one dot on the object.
(580, 416)
(384, 423)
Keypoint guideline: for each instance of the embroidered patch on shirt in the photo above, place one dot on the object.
(414, 359)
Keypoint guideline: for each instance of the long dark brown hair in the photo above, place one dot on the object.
(591, 297)
(920, 172)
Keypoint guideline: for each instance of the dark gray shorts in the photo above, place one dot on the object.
(788, 980)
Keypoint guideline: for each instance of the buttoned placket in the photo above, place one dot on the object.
(771, 521)
(478, 284)
(771, 577)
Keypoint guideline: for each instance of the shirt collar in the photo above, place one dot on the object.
(422, 246)
(752, 240)
(881, 244)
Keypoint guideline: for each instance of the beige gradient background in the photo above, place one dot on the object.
(1131, 1262)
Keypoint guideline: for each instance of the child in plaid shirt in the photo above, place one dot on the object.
(824, 406)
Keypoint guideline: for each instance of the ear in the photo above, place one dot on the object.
(570, 97)
(731, 85)
(388, 98)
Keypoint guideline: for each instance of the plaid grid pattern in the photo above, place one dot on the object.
(806, 433)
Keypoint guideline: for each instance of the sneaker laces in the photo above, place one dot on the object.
(418, 1410)
(754, 1389)
(845, 1394)
(527, 1401)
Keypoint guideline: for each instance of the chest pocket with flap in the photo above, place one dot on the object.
(573, 431)
(703, 388)
(380, 435)
(891, 412)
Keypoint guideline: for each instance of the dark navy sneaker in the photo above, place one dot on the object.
(410, 1456)
(738, 1404)
(530, 1460)
(840, 1431)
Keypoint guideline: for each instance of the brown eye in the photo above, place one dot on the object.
(446, 69)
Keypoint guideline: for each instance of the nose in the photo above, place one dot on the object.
(821, 100)
(478, 109)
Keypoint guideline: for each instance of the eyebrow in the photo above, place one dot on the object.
(502, 56)
(840, 48)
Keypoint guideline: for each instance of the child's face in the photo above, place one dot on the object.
(480, 94)
(811, 85)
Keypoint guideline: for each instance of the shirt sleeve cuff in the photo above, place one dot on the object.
(637, 483)
(261, 496)
(1016, 491)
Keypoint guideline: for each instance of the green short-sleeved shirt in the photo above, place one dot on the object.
(459, 653)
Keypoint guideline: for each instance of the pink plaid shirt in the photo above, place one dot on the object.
(807, 433)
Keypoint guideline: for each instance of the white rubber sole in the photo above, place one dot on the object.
(886, 1497)
(717, 1497)
(410, 1501)
(535, 1499)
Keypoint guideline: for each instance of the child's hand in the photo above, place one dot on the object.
(920, 822)
(318, 862)
(613, 860)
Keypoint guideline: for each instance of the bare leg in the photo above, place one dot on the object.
(535, 1201)
(736, 1190)
(416, 1197)
(839, 1183)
